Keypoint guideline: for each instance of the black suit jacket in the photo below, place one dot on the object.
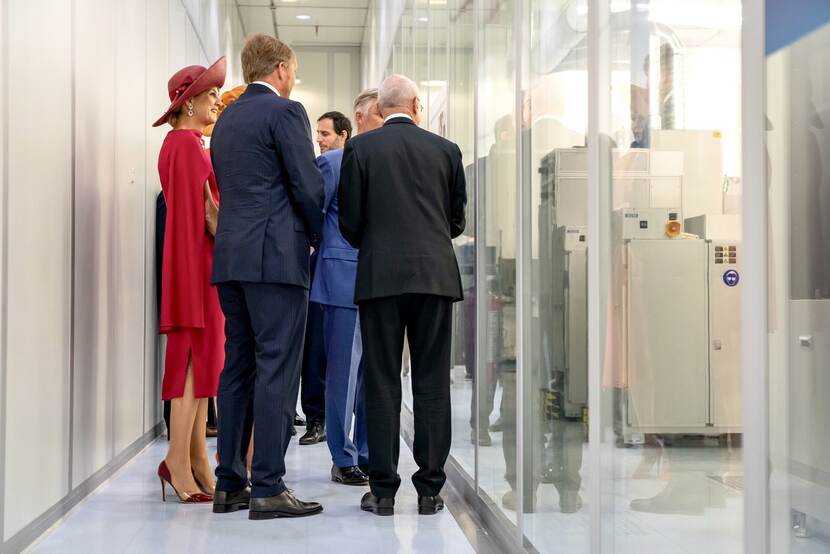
(271, 191)
(402, 197)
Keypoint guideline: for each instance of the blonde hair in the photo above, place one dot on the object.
(262, 54)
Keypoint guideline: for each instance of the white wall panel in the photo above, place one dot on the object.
(39, 260)
(158, 73)
(128, 223)
(85, 405)
(96, 287)
(178, 27)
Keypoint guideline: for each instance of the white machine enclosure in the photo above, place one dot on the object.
(723, 235)
(570, 308)
(642, 177)
(680, 328)
(702, 152)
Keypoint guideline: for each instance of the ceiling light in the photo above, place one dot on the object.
(423, 19)
(433, 83)
(303, 17)
(298, 82)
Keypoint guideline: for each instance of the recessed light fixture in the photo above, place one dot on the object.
(423, 19)
(303, 17)
(298, 82)
(433, 83)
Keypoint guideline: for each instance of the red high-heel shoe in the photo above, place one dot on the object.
(184, 498)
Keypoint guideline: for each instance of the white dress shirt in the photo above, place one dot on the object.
(394, 115)
(269, 85)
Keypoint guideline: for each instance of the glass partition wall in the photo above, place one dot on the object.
(671, 249)
(516, 84)
(796, 132)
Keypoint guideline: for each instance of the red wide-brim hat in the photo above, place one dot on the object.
(191, 81)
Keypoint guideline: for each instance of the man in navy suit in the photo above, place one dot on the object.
(333, 288)
(271, 214)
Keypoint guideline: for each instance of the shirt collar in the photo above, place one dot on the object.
(269, 85)
(400, 114)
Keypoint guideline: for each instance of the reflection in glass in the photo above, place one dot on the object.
(555, 171)
(671, 354)
(798, 174)
(496, 139)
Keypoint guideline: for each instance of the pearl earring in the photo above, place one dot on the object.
(190, 111)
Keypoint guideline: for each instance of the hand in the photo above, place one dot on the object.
(211, 211)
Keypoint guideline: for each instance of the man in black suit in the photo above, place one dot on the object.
(271, 213)
(402, 197)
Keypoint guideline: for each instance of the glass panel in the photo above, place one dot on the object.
(555, 122)
(798, 143)
(671, 359)
(451, 111)
(496, 140)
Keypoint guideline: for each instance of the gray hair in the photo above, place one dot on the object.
(397, 91)
(361, 103)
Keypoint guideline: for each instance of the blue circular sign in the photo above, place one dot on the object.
(731, 278)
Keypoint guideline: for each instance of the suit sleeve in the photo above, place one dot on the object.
(329, 186)
(458, 198)
(351, 197)
(304, 181)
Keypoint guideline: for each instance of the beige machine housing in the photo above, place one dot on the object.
(680, 339)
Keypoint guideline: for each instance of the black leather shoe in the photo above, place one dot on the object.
(315, 432)
(226, 502)
(284, 504)
(364, 468)
(379, 506)
(349, 476)
(428, 505)
(298, 420)
(293, 431)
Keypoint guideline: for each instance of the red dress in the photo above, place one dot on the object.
(190, 313)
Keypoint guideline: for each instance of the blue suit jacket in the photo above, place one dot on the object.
(271, 191)
(336, 271)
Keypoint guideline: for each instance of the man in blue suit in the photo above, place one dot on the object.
(333, 288)
(271, 214)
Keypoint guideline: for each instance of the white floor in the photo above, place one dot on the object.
(126, 514)
(709, 513)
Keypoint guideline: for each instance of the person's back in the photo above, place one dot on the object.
(272, 198)
(266, 220)
(412, 179)
(402, 197)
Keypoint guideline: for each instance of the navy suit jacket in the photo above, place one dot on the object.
(271, 191)
(336, 271)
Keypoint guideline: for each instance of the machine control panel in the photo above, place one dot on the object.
(726, 254)
(648, 223)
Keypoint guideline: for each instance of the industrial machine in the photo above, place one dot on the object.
(678, 321)
(569, 308)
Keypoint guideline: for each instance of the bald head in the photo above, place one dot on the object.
(399, 94)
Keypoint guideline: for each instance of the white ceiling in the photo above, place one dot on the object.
(331, 22)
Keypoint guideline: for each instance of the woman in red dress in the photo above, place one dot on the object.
(190, 313)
